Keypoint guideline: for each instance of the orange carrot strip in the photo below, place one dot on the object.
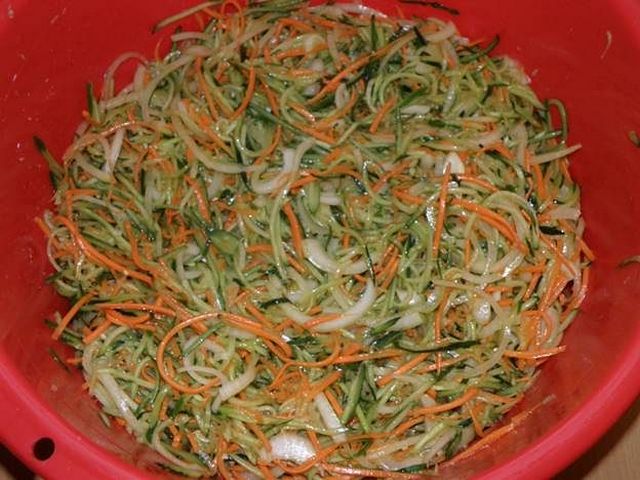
(306, 114)
(477, 181)
(335, 81)
(415, 361)
(301, 182)
(251, 308)
(323, 384)
(144, 307)
(94, 334)
(119, 319)
(271, 148)
(407, 197)
(477, 426)
(202, 83)
(259, 435)
(361, 357)
(586, 250)
(200, 198)
(266, 472)
(243, 323)
(162, 368)
(98, 257)
(271, 98)
(335, 352)
(501, 148)
(297, 24)
(323, 137)
(534, 354)
(260, 248)
(445, 407)
(296, 265)
(442, 203)
(492, 218)
(579, 297)
(334, 403)
(319, 319)
(377, 120)
(370, 473)
(251, 86)
(296, 231)
(70, 314)
(390, 272)
(390, 174)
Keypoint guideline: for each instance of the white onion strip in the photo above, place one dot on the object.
(352, 315)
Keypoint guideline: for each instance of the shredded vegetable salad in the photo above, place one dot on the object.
(315, 242)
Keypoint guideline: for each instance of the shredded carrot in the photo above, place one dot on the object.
(442, 203)
(334, 402)
(415, 361)
(247, 97)
(272, 147)
(202, 83)
(477, 181)
(94, 334)
(444, 407)
(493, 219)
(71, 313)
(284, 349)
(319, 319)
(377, 120)
(390, 174)
(303, 112)
(335, 81)
(323, 384)
(162, 369)
(200, 197)
(369, 473)
(549, 352)
(296, 231)
(361, 357)
(143, 307)
(98, 257)
(259, 435)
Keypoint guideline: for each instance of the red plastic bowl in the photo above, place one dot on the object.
(583, 51)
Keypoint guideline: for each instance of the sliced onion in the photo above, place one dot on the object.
(548, 157)
(341, 97)
(329, 417)
(321, 259)
(122, 402)
(453, 159)
(487, 139)
(235, 386)
(353, 314)
(481, 310)
(408, 320)
(318, 256)
(200, 154)
(564, 212)
(359, 9)
(190, 468)
(289, 446)
(114, 153)
(330, 198)
(294, 314)
(290, 163)
(109, 84)
(416, 110)
(387, 448)
(445, 32)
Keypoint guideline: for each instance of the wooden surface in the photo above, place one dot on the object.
(615, 457)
